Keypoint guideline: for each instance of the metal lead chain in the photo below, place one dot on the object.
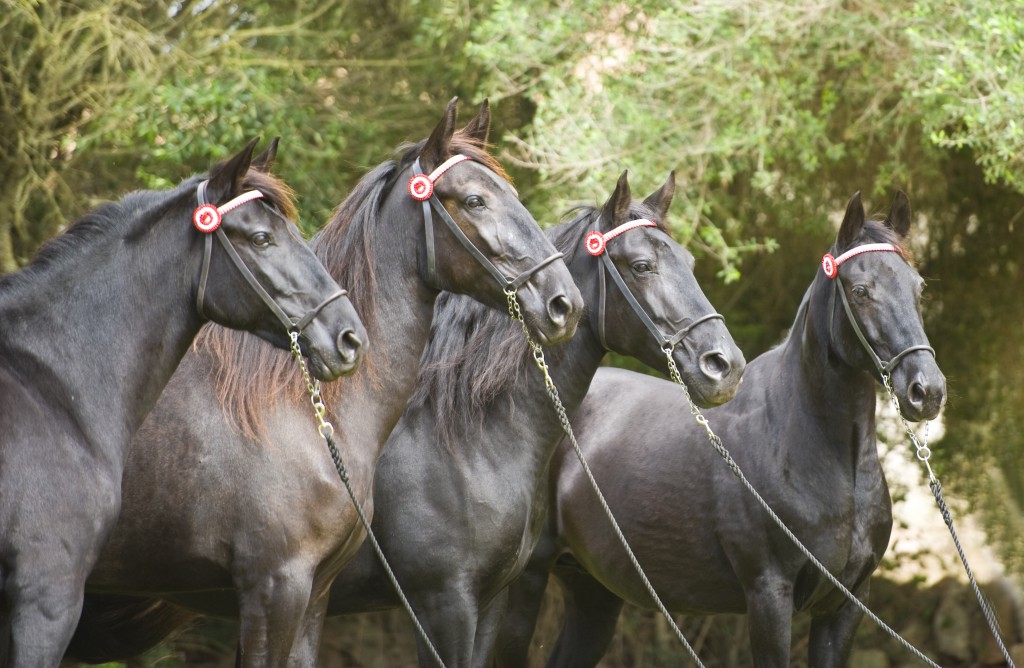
(924, 453)
(326, 430)
(552, 391)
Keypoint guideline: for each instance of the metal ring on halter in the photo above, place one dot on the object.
(207, 219)
(421, 188)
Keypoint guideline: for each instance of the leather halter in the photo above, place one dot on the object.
(830, 266)
(291, 324)
(596, 243)
(421, 188)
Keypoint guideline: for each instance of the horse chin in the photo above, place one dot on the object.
(337, 366)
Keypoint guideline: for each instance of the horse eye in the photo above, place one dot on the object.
(860, 291)
(642, 267)
(261, 239)
(474, 201)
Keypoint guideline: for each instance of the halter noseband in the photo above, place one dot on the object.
(830, 265)
(596, 243)
(207, 219)
(421, 188)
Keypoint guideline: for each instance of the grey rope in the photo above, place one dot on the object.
(923, 454)
(326, 430)
(552, 391)
(716, 442)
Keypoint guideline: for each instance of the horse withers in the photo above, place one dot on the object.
(802, 429)
(90, 332)
(460, 488)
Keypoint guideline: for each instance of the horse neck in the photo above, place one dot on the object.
(572, 366)
(837, 395)
(101, 333)
(397, 330)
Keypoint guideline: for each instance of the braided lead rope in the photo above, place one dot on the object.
(717, 444)
(326, 430)
(552, 391)
(923, 454)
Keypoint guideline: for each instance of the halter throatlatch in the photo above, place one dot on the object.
(421, 188)
(207, 219)
(830, 265)
(595, 243)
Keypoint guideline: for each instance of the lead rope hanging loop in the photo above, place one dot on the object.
(326, 430)
(563, 419)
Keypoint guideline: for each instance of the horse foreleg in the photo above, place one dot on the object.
(591, 613)
(832, 634)
(271, 610)
(307, 644)
(41, 619)
(487, 627)
(770, 616)
(449, 617)
(525, 595)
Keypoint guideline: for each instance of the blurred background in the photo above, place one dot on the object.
(772, 112)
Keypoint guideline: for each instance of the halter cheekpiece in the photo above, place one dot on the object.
(830, 265)
(207, 219)
(596, 242)
(421, 189)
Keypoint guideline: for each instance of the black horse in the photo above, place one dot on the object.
(91, 331)
(802, 429)
(460, 489)
(232, 504)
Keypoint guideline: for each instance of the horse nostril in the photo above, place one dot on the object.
(559, 309)
(917, 394)
(714, 365)
(349, 345)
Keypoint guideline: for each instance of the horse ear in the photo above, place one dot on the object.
(661, 199)
(226, 178)
(899, 214)
(480, 126)
(265, 160)
(853, 222)
(435, 151)
(616, 209)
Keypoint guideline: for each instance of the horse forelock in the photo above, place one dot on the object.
(275, 192)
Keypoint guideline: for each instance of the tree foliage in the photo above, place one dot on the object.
(772, 113)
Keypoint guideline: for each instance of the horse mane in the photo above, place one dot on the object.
(475, 353)
(120, 217)
(252, 374)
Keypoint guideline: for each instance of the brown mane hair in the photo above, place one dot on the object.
(251, 374)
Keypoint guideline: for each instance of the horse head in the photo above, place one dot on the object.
(488, 245)
(879, 328)
(655, 304)
(262, 276)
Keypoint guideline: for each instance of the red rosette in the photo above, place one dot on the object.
(829, 266)
(595, 243)
(206, 218)
(421, 187)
